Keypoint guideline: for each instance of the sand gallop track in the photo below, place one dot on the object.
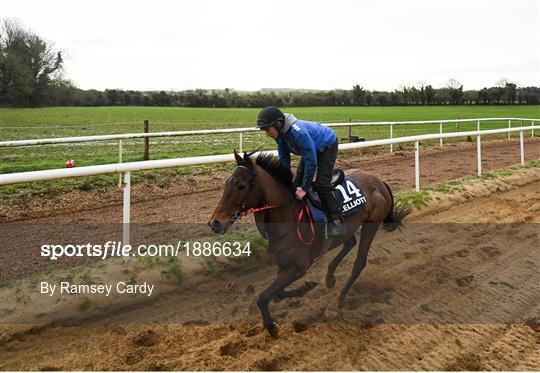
(457, 290)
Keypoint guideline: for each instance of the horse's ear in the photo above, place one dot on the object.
(237, 157)
(248, 161)
(254, 151)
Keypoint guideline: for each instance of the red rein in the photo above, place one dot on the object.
(299, 218)
(311, 225)
(258, 209)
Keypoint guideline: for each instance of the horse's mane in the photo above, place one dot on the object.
(277, 169)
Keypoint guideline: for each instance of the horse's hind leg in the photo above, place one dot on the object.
(366, 238)
(294, 293)
(332, 266)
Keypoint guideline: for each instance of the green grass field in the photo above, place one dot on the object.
(18, 124)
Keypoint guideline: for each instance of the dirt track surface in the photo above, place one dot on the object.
(188, 205)
(443, 295)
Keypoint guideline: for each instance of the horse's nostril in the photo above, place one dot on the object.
(214, 224)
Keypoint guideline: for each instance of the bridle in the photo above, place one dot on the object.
(244, 210)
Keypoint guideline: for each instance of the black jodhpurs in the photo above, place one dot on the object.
(326, 161)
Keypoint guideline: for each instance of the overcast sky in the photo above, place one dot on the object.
(251, 44)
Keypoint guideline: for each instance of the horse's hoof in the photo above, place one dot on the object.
(340, 303)
(309, 285)
(330, 281)
(273, 329)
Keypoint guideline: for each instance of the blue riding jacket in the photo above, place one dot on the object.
(304, 138)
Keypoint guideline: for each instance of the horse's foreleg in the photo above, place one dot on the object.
(332, 266)
(286, 276)
(367, 234)
(294, 293)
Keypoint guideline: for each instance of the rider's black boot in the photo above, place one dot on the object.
(336, 224)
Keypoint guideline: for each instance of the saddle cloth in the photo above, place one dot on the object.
(349, 195)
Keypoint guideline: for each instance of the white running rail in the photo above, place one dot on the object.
(66, 140)
(127, 168)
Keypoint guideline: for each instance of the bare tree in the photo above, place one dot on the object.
(502, 82)
(453, 84)
(456, 91)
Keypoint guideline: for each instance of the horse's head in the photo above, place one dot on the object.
(236, 195)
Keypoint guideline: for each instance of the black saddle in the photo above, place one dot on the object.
(337, 178)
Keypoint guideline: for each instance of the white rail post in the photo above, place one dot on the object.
(241, 142)
(391, 136)
(126, 211)
(521, 148)
(440, 131)
(509, 126)
(120, 161)
(532, 131)
(479, 155)
(478, 126)
(417, 166)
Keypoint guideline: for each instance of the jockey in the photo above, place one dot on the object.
(317, 145)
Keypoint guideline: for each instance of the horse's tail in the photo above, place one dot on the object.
(396, 215)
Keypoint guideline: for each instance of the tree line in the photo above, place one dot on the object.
(31, 75)
(357, 96)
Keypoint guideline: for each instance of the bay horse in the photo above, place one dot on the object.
(265, 187)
